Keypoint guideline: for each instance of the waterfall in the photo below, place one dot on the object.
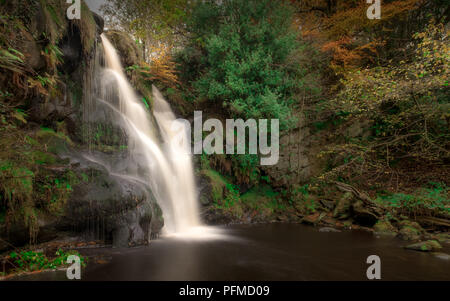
(155, 157)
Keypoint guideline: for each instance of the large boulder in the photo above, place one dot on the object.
(112, 207)
(410, 230)
(99, 21)
(384, 227)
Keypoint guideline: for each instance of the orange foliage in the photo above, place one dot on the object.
(352, 20)
(335, 32)
(346, 56)
(161, 67)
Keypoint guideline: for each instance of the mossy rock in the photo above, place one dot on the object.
(218, 184)
(410, 230)
(412, 224)
(348, 224)
(57, 142)
(425, 246)
(409, 233)
(384, 227)
(443, 237)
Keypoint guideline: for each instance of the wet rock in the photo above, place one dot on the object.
(425, 246)
(72, 48)
(215, 216)
(204, 190)
(110, 207)
(443, 256)
(329, 229)
(99, 21)
(126, 47)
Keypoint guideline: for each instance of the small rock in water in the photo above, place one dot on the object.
(443, 256)
(425, 246)
(328, 229)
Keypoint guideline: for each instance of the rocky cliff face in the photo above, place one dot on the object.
(62, 56)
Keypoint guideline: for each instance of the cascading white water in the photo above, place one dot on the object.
(166, 166)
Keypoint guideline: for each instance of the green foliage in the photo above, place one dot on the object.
(263, 199)
(104, 137)
(28, 261)
(240, 56)
(28, 185)
(402, 108)
(11, 59)
(148, 19)
(302, 198)
(245, 168)
(430, 200)
(409, 101)
(219, 184)
(232, 196)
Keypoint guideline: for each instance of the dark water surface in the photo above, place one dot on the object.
(264, 252)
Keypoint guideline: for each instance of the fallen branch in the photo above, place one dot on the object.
(360, 195)
(434, 221)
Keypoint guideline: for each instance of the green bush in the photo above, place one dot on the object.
(240, 55)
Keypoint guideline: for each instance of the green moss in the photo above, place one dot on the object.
(409, 233)
(425, 246)
(87, 28)
(218, 184)
(384, 227)
(262, 197)
(56, 142)
(27, 186)
(84, 177)
(42, 158)
(427, 199)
